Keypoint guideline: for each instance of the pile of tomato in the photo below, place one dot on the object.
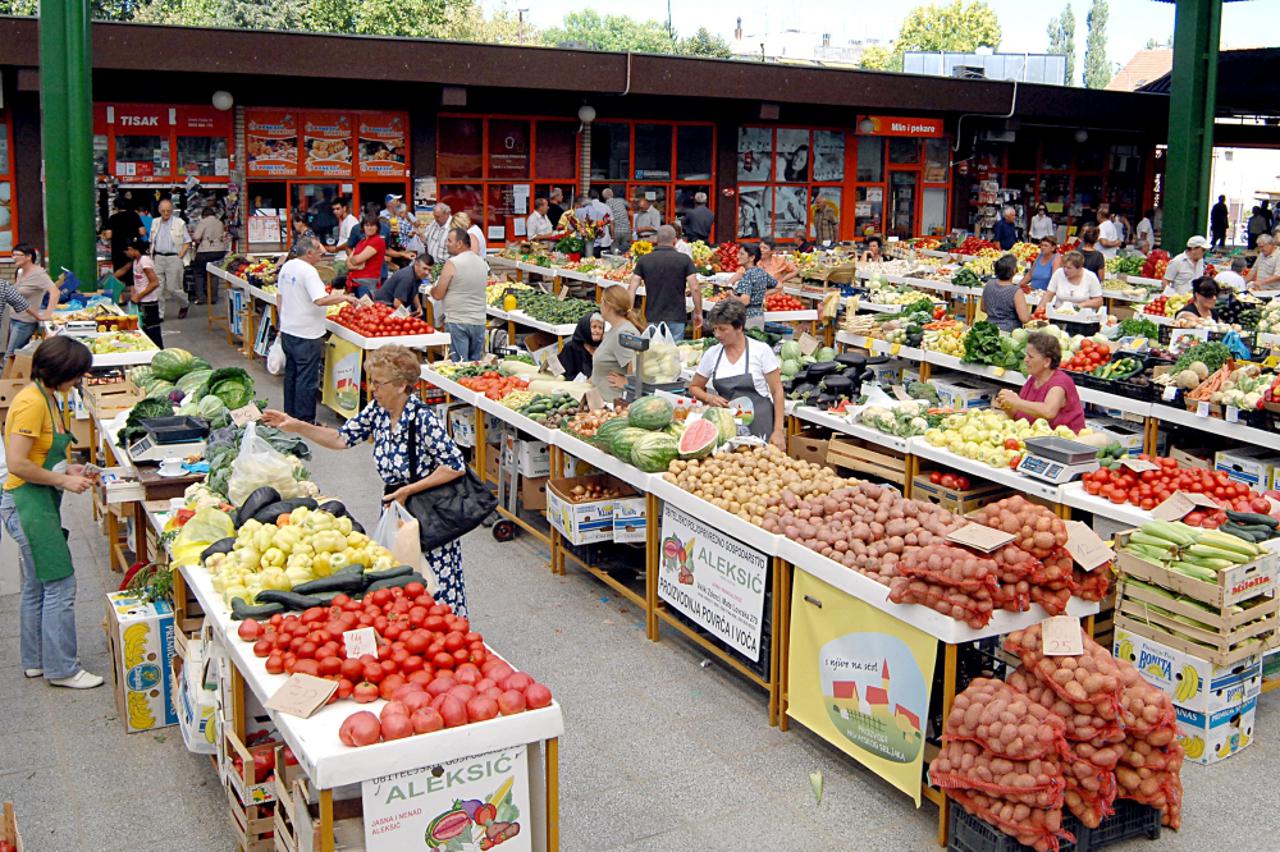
(1156, 306)
(1152, 487)
(430, 666)
(493, 384)
(974, 245)
(953, 481)
(782, 302)
(376, 321)
(1088, 357)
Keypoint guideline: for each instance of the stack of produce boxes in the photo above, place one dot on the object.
(1196, 630)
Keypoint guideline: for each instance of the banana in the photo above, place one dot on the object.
(1124, 650)
(1190, 686)
(1225, 750)
(1209, 550)
(1193, 747)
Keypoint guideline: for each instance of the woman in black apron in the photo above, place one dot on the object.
(732, 371)
(36, 448)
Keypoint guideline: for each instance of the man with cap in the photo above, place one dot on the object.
(399, 222)
(1185, 267)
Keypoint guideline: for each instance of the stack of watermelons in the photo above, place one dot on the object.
(650, 437)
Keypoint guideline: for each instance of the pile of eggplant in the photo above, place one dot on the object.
(827, 383)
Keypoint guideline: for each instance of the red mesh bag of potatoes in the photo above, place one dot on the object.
(1037, 528)
(968, 766)
(1014, 563)
(1092, 585)
(1039, 828)
(1160, 790)
(1090, 682)
(1080, 727)
(974, 609)
(1056, 570)
(1147, 713)
(1051, 601)
(1090, 798)
(948, 565)
(1139, 753)
(1005, 722)
(1014, 597)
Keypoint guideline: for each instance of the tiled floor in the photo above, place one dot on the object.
(661, 751)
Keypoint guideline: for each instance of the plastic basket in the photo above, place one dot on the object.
(1131, 819)
(970, 834)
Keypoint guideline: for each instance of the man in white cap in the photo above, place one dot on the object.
(1185, 267)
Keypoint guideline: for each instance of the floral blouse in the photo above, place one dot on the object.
(391, 445)
(754, 282)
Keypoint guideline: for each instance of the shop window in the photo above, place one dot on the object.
(1088, 194)
(653, 152)
(1024, 153)
(755, 153)
(101, 153)
(792, 162)
(1055, 195)
(1057, 154)
(555, 150)
(610, 151)
(868, 210)
(903, 187)
(657, 195)
(684, 198)
(465, 198)
(202, 156)
(791, 208)
(933, 216)
(824, 214)
(508, 149)
(870, 159)
(828, 156)
(460, 148)
(141, 156)
(695, 150)
(791, 157)
(937, 160)
(904, 151)
(1090, 158)
(503, 201)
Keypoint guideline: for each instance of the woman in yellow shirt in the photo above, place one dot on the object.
(37, 446)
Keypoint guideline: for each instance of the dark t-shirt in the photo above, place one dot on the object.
(124, 226)
(1095, 262)
(698, 222)
(664, 271)
(554, 212)
(402, 285)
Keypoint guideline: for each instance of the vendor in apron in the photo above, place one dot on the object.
(741, 373)
(37, 445)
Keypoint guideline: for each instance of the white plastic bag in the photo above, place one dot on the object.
(275, 357)
(662, 358)
(258, 465)
(397, 531)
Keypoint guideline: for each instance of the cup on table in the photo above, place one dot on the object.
(171, 467)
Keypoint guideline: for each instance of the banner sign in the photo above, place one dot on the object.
(465, 805)
(327, 144)
(900, 125)
(271, 142)
(383, 144)
(717, 581)
(865, 690)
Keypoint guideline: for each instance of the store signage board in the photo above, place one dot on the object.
(328, 145)
(466, 804)
(1179, 504)
(713, 579)
(1060, 637)
(271, 143)
(383, 145)
(900, 125)
(1086, 547)
(264, 229)
(980, 537)
(301, 695)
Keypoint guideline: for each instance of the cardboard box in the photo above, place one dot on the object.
(196, 687)
(954, 500)
(108, 400)
(462, 425)
(889, 373)
(575, 467)
(1128, 435)
(630, 520)
(20, 367)
(9, 828)
(533, 493)
(531, 458)
(809, 445)
(960, 393)
(9, 389)
(910, 373)
(582, 523)
(140, 641)
(1208, 738)
(1254, 466)
(1192, 683)
(1195, 457)
(491, 459)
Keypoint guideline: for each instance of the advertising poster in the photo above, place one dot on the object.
(271, 143)
(327, 144)
(341, 386)
(828, 156)
(824, 213)
(465, 805)
(860, 679)
(755, 148)
(790, 203)
(384, 139)
(715, 580)
(792, 162)
(755, 211)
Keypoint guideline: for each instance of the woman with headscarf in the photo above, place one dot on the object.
(576, 356)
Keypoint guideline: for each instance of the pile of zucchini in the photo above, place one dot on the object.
(1251, 526)
(352, 581)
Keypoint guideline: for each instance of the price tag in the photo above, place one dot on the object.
(400, 313)
(1086, 547)
(1202, 409)
(246, 414)
(594, 400)
(1138, 465)
(364, 301)
(980, 537)
(1179, 504)
(359, 642)
(1169, 394)
(1232, 414)
(302, 694)
(869, 343)
(895, 349)
(554, 366)
(563, 292)
(1060, 636)
(808, 343)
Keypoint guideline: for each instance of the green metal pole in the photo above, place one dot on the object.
(66, 119)
(1194, 81)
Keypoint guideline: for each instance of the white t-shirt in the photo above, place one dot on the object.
(1108, 230)
(344, 233)
(759, 358)
(537, 225)
(300, 286)
(475, 231)
(1234, 280)
(1041, 226)
(1146, 234)
(1179, 274)
(1065, 292)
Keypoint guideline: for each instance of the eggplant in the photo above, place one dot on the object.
(837, 385)
(336, 508)
(851, 359)
(801, 377)
(804, 390)
(826, 400)
(271, 512)
(823, 368)
(877, 360)
(222, 545)
(256, 502)
(356, 526)
(302, 503)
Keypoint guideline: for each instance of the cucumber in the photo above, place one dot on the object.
(398, 571)
(340, 581)
(396, 582)
(289, 600)
(1248, 534)
(240, 610)
(325, 598)
(1252, 518)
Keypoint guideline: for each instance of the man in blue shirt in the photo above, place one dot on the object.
(401, 289)
(1006, 233)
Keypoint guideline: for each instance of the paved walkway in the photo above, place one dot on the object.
(662, 750)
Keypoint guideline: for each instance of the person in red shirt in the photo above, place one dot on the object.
(1049, 392)
(364, 269)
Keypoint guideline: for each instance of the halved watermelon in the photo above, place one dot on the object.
(700, 437)
(723, 419)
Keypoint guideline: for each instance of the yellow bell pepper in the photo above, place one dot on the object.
(337, 561)
(276, 579)
(273, 558)
(343, 525)
(298, 575)
(356, 539)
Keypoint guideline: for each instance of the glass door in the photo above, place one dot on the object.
(315, 202)
(903, 189)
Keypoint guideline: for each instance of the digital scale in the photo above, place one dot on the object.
(169, 438)
(636, 386)
(1057, 460)
(80, 328)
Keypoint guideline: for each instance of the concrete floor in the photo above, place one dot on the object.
(662, 750)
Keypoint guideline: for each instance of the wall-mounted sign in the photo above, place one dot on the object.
(899, 125)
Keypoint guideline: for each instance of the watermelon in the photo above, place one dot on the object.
(700, 438)
(654, 452)
(724, 421)
(675, 429)
(172, 364)
(624, 439)
(607, 431)
(650, 412)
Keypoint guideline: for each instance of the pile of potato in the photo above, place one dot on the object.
(750, 481)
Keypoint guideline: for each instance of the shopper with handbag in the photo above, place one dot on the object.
(420, 465)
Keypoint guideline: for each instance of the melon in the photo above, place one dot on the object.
(700, 438)
(446, 827)
(723, 419)
(607, 431)
(654, 452)
(650, 412)
(624, 439)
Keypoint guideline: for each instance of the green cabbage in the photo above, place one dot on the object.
(232, 385)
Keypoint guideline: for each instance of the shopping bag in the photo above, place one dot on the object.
(275, 357)
(397, 531)
(662, 358)
(258, 465)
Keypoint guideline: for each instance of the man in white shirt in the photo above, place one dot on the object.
(1265, 274)
(300, 303)
(169, 245)
(1041, 225)
(538, 225)
(437, 232)
(342, 212)
(647, 220)
(596, 210)
(1110, 237)
(1233, 278)
(1145, 234)
(1185, 267)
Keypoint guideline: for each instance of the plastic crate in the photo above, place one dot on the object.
(1131, 819)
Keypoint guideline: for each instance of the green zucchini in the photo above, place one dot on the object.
(255, 502)
(325, 598)
(349, 582)
(396, 582)
(241, 609)
(387, 574)
(1253, 518)
(222, 545)
(289, 600)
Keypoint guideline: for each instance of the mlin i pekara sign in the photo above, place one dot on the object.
(899, 125)
(717, 581)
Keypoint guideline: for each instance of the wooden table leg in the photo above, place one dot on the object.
(652, 551)
(208, 297)
(248, 327)
(326, 821)
(775, 644)
(480, 443)
(140, 532)
(553, 794)
(784, 646)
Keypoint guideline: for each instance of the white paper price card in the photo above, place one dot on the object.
(1086, 548)
(400, 313)
(1169, 394)
(981, 537)
(247, 414)
(1061, 637)
(364, 301)
(1232, 414)
(1138, 465)
(302, 694)
(359, 642)
(1202, 409)
(808, 343)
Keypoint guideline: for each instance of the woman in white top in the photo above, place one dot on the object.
(739, 367)
(1072, 284)
(463, 221)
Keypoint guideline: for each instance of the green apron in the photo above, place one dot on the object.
(40, 511)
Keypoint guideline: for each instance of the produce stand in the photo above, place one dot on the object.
(518, 317)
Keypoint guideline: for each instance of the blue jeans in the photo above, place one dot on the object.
(677, 330)
(20, 333)
(48, 609)
(363, 290)
(467, 341)
(303, 358)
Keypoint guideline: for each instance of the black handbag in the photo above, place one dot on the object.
(447, 511)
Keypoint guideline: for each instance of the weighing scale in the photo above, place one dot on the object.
(169, 438)
(80, 328)
(636, 386)
(1057, 460)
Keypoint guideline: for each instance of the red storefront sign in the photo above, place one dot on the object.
(899, 125)
(328, 145)
(271, 142)
(203, 121)
(384, 141)
(141, 140)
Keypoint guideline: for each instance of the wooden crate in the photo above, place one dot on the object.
(296, 816)
(252, 824)
(1226, 637)
(1234, 585)
(864, 457)
(956, 501)
(9, 827)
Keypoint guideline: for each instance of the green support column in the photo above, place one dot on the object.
(1192, 97)
(66, 123)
